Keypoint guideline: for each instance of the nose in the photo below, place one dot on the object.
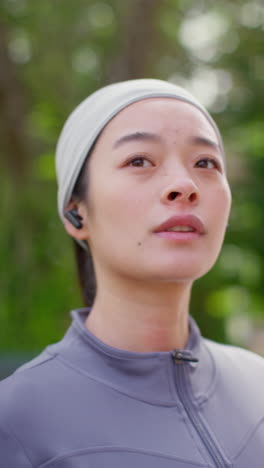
(182, 189)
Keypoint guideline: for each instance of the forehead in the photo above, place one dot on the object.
(160, 115)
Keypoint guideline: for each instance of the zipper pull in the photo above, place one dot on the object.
(179, 356)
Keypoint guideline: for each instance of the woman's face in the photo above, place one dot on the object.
(156, 159)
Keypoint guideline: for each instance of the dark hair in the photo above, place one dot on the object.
(83, 258)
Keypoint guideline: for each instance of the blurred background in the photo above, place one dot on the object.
(53, 54)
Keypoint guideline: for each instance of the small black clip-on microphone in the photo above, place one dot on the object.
(74, 218)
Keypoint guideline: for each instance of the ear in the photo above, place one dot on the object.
(82, 233)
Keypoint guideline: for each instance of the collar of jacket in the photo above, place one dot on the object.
(151, 377)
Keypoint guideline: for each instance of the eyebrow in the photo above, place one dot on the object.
(202, 141)
(137, 136)
(147, 136)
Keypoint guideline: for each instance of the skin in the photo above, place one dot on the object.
(144, 281)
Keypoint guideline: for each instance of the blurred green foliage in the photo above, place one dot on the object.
(53, 54)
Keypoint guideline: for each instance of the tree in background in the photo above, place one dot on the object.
(55, 53)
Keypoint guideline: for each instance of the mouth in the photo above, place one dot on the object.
(181, 227)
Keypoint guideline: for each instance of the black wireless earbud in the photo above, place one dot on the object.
(74, 218)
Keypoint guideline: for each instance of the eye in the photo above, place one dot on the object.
(138, 161)
(208, 163)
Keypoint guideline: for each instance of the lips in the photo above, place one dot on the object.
(182, 220)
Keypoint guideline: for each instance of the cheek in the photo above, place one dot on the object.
(118, 205)
(220, 205)
(224, 200)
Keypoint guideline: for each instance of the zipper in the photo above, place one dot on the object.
(180, 359)
(178, 356)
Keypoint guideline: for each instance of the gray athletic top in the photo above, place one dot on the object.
(84, 404)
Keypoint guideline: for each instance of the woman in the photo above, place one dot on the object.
(133, 383)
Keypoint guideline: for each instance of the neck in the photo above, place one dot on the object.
(141, 317)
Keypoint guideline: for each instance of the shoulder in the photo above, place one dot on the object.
(234, 352)
(21, 388)
(29, 396)
(237, 361)
(34, 394)
(21, 409)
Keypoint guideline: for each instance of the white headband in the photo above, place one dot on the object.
(90, 117)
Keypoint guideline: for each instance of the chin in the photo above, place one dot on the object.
(183, 271)
(171, 273)
(182, 277)
(166, 268)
